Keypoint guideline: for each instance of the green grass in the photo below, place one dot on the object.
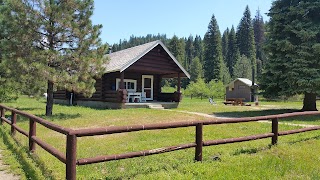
(293, 158)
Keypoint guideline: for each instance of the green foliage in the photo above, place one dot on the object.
(49, 42)
(198, 48)
(293, 43)
(196, 70)
(243, 68)
(217, 90)
(177, 48)
(225, 47)
(189, 51)
(197, 89)
(168, 89)
(259, 38)
(245, 38)
(213, 60)
(233, 54)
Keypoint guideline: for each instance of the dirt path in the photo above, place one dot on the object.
(3, 172)
(220, 117)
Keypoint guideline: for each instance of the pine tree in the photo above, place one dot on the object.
(225, 48)
(189, 52)
(213, 52)
(196, 70)
(177, 48)
(233, 54)
(293, 46)
(198, 48)
(54, 43)
(243, 68)
(259, 37)
(245, 37)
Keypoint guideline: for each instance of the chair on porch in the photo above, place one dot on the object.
(143, 97)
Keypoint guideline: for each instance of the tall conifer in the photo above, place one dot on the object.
(54, 41)
(233, 53)
(293, 46)
(213, 60)
(225, 48)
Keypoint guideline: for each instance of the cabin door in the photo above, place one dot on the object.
(147, 86)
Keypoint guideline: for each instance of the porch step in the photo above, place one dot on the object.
(155, 106)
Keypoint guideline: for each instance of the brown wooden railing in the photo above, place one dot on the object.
(70, 158)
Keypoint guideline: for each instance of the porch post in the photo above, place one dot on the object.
(179, 83)
(122, 80)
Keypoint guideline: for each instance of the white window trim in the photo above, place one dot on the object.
(126, 81)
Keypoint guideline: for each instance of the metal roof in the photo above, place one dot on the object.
(246, 81)
(121, 60)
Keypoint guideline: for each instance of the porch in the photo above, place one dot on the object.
(152, 105)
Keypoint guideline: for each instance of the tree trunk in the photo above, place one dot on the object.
(309, 102)
(49, 105)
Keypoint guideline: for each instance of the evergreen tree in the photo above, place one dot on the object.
(213, 52)
(53, 43)
(293, 46)
(245, 37)
(245, 41)
(243, 68)
(189, 52)
(233, 54)
(225, 48)
(196, 71)
(8, 87)
(198, 48)
(259, 37)
(225, 75)
(177, 48)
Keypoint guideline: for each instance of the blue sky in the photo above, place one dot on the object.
(123, 18)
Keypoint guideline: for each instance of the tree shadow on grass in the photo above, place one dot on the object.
(21, 155)
(244, 150)
(28, 109)
(59, 116)
(238, 114)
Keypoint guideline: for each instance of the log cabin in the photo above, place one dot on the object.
(133, 79)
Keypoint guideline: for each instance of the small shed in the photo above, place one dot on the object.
(241, 88)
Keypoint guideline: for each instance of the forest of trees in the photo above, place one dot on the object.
(217, 56)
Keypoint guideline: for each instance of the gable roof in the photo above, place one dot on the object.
(246, 81)
(121, 60)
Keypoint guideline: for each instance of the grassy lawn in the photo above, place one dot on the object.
(293, 158)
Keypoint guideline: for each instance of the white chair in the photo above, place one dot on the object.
(212, 101)
(143, 97)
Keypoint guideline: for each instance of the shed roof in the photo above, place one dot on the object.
(121, 60)
(246, 81)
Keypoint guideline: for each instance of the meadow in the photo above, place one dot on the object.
(294, 157)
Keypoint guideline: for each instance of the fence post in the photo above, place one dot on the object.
(71, 155)
(199, 143)
(13, 122)
(275, 131)
(2, 114)
(32, 132)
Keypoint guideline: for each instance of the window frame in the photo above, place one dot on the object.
(126, 82)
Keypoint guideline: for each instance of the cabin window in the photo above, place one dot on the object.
(129, 84)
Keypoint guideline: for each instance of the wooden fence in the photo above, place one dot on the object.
(70, 158)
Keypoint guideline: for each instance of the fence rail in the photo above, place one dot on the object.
(70, 158)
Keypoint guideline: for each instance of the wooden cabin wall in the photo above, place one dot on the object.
(60, 94)
(157, 61)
